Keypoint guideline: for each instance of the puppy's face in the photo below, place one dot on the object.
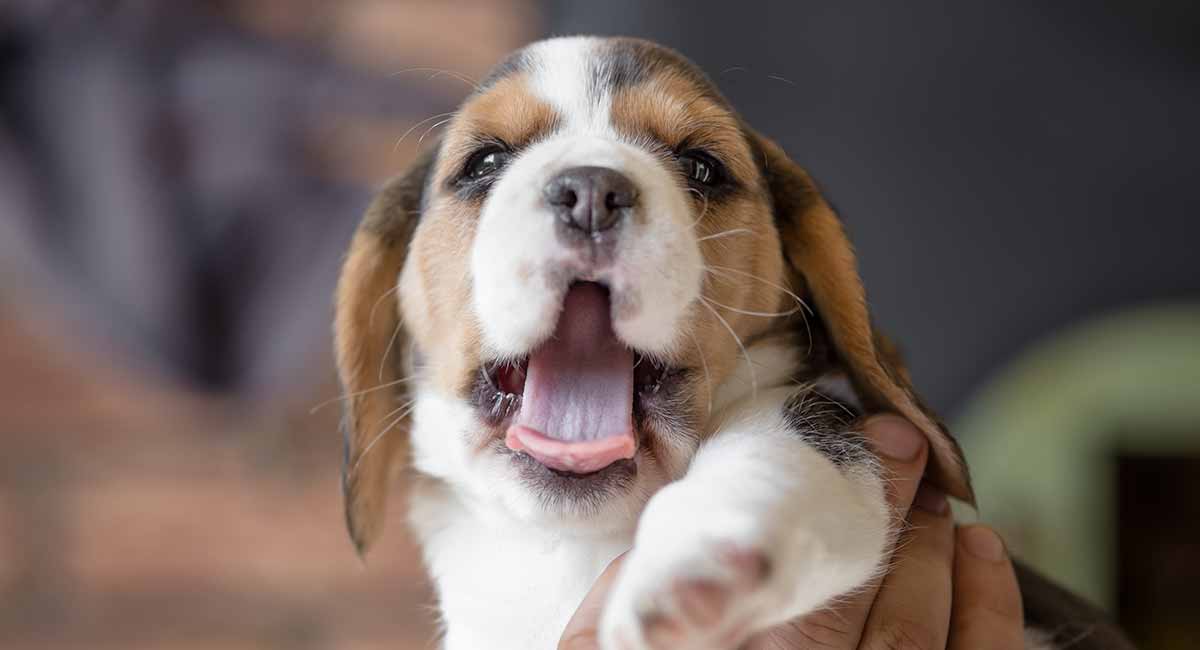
(594, 213)
(583, 262)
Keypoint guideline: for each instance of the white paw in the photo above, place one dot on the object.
(697, 578)
(708, 571)
(713, 602)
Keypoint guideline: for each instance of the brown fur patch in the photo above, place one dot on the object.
(676, 111)
(508, 111)
(368, 345)
(742, 295)
(435, 294)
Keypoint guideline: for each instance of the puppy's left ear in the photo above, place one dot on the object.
(823, 268)
(369, 346)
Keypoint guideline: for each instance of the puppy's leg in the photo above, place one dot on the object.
(780, 512)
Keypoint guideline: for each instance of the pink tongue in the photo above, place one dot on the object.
(577, 409)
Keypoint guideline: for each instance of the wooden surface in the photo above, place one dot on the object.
(133, 516)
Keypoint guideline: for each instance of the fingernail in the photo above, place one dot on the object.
(983, 543)
(895, 437)
(931, 500)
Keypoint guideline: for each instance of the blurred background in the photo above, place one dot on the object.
(178, 181)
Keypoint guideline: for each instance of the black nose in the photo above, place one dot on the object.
(591, 199)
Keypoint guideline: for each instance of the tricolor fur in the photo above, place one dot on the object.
(735, 288)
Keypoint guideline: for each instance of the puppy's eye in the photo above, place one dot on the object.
(700, 168)
(487, 162)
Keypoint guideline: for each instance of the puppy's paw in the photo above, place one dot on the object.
(708, 571)
(702, 575)
(711, 601)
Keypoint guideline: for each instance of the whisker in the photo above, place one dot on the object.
(347, 396)
(714, 268)
(767, 314)
(704, 209)
(388, 350)
(396, 147)
(438, 72)
(403, 405)
(789, 292)
(726, 233)
(412, 406)
(430, 129)
(407, 408)
(371, 316)
(741, 346)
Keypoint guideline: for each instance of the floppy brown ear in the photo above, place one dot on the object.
(369, 347)
(822, 262)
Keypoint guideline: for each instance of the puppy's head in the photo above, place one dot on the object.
(553, 300)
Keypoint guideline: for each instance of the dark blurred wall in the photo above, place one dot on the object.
(179, 181)
(1004, 168)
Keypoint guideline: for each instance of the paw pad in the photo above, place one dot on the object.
(710, 610)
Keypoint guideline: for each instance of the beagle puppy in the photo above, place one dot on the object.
(601, 314)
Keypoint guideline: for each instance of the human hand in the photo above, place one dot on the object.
(945, 589)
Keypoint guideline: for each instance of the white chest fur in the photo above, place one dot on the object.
(503, 583)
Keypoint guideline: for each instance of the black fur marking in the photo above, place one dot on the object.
(394, 214)
(791, 196)
(626, 63)
(515, 63)
(1071, 621)
(640, 58)
(824, 423)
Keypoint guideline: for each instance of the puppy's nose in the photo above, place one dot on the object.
(590, 199)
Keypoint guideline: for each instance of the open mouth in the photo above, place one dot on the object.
(571, 404)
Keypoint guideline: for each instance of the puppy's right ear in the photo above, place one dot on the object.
(825, 272)
(369, 347)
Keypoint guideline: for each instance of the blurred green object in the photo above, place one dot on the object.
(1043, 436)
